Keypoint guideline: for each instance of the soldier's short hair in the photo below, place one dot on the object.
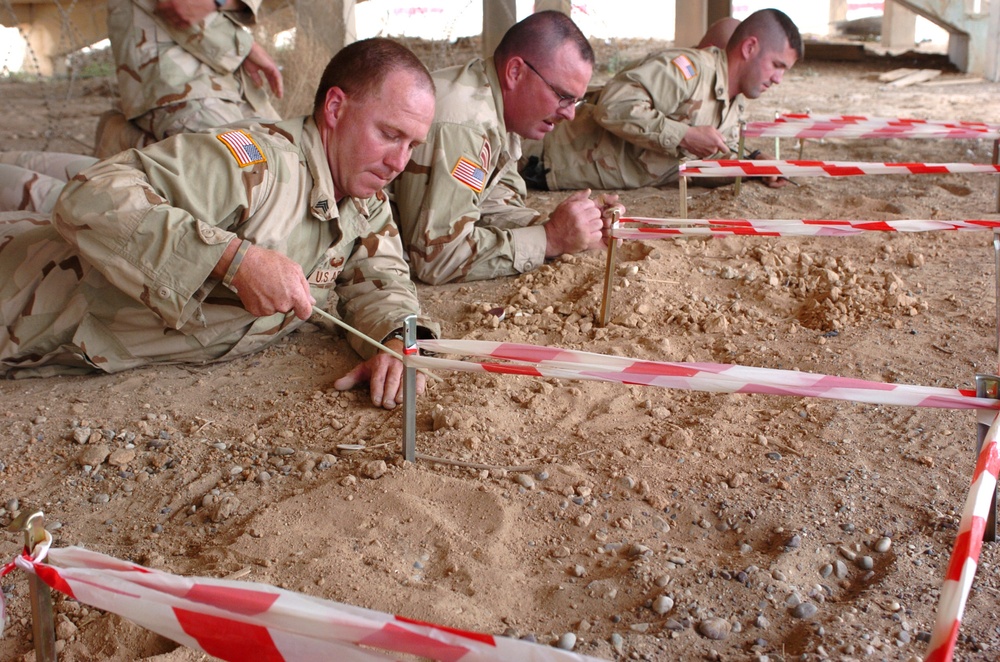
(771, 27)
(536, 37)
(360, 68)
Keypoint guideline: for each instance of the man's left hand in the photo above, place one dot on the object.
(384, 374)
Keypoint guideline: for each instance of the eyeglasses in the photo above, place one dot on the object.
(565, 100)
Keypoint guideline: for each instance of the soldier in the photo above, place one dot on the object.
(670, 107)
(184, 65)
(461, 201)
(208, 246)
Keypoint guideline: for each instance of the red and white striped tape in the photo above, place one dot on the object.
(965, 554)
(783, 228)
(240, 621)
(801, 125)
(764, 168)
(540, 361)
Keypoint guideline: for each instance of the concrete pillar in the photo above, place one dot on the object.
(718, 9)
(690, 22)
(992, 69)
(53, 31)
(498, 17)
(899, 27)
(565, 6)
(324, 27)
(838, 10)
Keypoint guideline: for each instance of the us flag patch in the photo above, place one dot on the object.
(469, 174)
(242, 147)
(686, 67)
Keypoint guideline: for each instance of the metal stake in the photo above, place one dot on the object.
(32, 522)
(410, 391)
(996, 161)
(609, 271)
(683, 184)
(739, 155)
(987, 386)
(996, 269)
(777, 140)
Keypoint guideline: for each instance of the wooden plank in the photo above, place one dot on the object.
(918, 76)
(951, 81)
(895, 74)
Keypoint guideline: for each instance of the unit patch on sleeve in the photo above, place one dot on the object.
(469, 174)
(243, 148)
(686, 66)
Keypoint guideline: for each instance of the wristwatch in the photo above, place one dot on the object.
(219, 4)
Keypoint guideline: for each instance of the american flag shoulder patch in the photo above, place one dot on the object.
(469, 174)
(686, 66)
(242, 147)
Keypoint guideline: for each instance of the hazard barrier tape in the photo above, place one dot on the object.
(965, 554)
(764, 168)
(240, 621)
(542, 361)
(784, 228)
(802, 125)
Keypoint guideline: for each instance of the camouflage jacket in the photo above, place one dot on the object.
(630, 136)
(158, 65)
(460, 200)
(121, 275)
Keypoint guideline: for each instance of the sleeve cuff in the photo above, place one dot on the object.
(529, 247)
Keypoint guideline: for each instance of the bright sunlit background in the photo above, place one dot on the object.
(626, 19)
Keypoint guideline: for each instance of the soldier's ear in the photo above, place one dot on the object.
(333, 105)
(512, 71)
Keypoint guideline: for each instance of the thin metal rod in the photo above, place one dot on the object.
(683, 184)
(609, 273)
(987, 386)
(741, 147)
(777, 140)
(410, 391)
(996, 161)
(996, 269)
(32, 522)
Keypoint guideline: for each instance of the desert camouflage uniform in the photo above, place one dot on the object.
(31, 181)
(173, 81)
(120, 276)
(478, 228)
(630, 137)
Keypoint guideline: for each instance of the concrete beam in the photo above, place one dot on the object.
(899, 27)
(53, 31)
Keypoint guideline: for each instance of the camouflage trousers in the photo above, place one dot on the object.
(115, 133)
(31, 181)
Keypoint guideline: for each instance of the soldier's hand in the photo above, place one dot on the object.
(384, 374)
(703, 141)
(575, 225)
(182, 14)
(268, 282)
(259, 64)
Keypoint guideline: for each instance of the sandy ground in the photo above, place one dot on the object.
(587, 502)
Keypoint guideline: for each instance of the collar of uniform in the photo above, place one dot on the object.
(322, 201)
(721, 74)
(493, 80)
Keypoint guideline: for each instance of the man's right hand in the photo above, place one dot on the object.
(703, 142)
(182, 14)
(574, 226)
(268, 282)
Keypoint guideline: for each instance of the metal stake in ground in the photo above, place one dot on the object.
(987, 386)
(741, 147)
(609, 271)
(410, 391)
(32, 522)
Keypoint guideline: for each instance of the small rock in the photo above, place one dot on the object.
(865, 562)
(525, 481)
(567, 642)
(374, 469)
(663, 604)
(883, 544)
(804, 610)
(94, 455)
(714, 628)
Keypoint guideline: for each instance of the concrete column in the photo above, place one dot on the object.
(899, 27)
(498, 17)
(324, 27)
(54, 31)
(565, 6)
(690, 22)
(718, 9)
(992, 69)
(838, 10)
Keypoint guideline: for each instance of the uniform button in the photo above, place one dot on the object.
(528, 266)
(163, 292)
(208, 233)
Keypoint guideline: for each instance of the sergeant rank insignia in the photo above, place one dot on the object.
(469, 174)
(242, 147)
